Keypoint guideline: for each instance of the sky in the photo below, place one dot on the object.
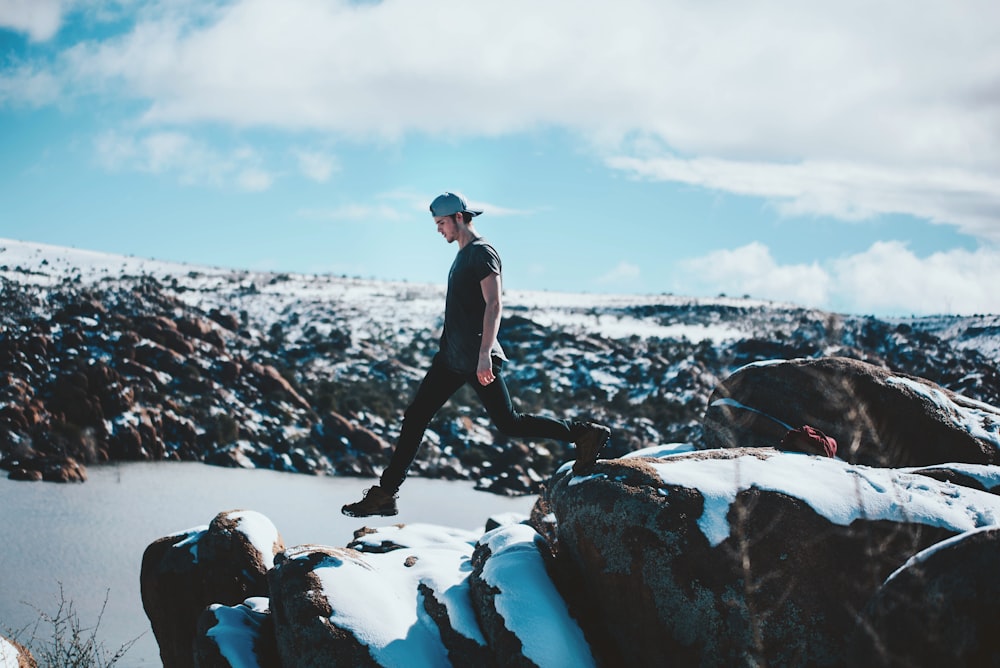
(843, 156)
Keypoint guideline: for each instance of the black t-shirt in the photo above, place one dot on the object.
(465, 306)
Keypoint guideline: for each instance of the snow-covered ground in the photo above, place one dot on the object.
(403, 304)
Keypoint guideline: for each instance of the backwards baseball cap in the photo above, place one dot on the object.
(448, 204)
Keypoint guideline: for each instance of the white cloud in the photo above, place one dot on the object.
(752, 270)
(848, 109)
(254, 179)
(888, 278)
(40, 19)
(761, 78)
(24, 86)
(191, 161)
(844, 190)
(625, 274)
(316, 166)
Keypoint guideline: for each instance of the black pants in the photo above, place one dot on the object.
(437, 387)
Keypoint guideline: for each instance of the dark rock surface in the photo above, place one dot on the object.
(939, 609)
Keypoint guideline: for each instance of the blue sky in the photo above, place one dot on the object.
(845, 157)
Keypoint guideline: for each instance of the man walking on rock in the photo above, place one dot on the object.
(470, 353)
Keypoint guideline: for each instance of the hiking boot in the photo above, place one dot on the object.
(589, 442)
(377, 501)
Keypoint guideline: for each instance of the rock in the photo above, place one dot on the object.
(239, 636)
(524, 619)
(976, 476)
(878, 417)
(73, 398)
(50, 469)
(15, 655)
(198, 328)
(23, 474)
(225, 562)
(725, 557)
(136, 436)
(225, 320)
(335, 426)
(270, 381)
(157, 356)
(164, 331)
(939, 609)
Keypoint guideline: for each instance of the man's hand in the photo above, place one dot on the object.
(484, 372)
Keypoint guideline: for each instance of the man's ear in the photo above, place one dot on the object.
(460, 217)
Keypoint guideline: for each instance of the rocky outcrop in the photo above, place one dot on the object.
(716, 558)
(726, 557)
(14, 655)
(939, 609)
(223, 563)
(878, 417)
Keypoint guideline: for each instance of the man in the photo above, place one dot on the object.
(470, 353)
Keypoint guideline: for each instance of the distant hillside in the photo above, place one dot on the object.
(112, 358)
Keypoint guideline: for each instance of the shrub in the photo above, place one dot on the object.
(70, 644)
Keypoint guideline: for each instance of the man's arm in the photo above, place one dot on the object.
(491, 327)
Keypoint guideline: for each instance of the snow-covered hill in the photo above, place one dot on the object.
(246, 368)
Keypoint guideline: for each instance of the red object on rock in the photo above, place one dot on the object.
(809, 440)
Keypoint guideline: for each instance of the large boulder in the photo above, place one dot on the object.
(939, 609)
(878, 417)
(730, 557)
(225, 562)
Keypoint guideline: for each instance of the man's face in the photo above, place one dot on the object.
(447, 227)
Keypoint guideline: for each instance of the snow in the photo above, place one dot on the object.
(979, 420)
(403, 306)
(236, 629)
(529, 603)
(838, 491)
(376, 596)
(623, 327)
(193, 537)
(8, 654)
(416, 535)
(260, 531)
